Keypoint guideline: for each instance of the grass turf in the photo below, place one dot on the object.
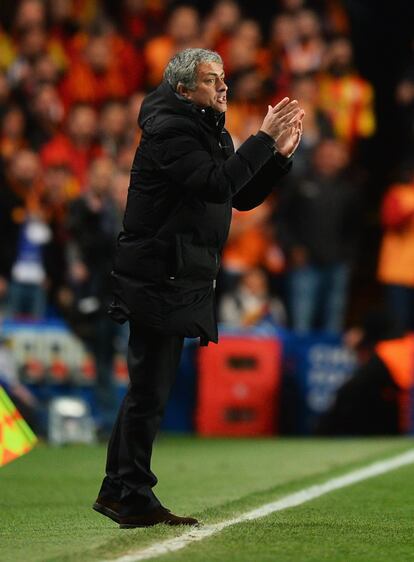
(372, 521)
(45, 500)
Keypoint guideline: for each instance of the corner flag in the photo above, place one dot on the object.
(16, 437)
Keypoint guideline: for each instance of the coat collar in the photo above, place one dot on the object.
(164, 101)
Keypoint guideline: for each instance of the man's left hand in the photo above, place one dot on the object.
(289, 139)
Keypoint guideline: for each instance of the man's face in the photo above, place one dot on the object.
(211, 89)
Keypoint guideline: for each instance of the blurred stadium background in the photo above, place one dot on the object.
(316, 291)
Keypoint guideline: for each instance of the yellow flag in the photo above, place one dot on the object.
(16, 437)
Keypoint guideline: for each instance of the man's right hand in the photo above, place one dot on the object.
(281, 117)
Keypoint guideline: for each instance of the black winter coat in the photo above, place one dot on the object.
(185, 179)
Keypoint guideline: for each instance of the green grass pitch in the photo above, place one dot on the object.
(45, 500)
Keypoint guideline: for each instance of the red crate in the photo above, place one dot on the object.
(238, 387)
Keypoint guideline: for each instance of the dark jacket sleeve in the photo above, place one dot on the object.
(180, 154)
(261, 185)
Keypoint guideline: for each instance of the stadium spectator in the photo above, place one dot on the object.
(317, 224)
(249, 94)
(105, 66)
(60, 189)
(283, 38)
(251, 303)
(244, 50)
(140, 20)
(46, 71)
(183, 30)
(306, 53)
(12, 132)
(396, 258)
(25, 234)
(67, 18)
(45, 116)
(93, 224)
(220, 24)
(346, 96)
(32, 42)
(76, 146)
(334, 18)
(63, 24)
(30, 13)
(304, 88)
(83, 12)
(113, 127)
(291, 7)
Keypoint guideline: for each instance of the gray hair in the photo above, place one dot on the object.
(182, 68)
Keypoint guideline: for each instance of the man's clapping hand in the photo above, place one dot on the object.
(284, 124)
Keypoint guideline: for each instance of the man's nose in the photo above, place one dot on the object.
(222, 86)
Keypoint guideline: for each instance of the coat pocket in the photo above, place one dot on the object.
(199, 263)
(141, 259)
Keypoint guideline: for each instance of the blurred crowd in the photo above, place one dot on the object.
(73, 74)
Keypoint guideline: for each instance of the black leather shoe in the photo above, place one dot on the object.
(154, 517)
(108, 508)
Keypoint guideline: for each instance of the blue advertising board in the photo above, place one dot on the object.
(315, 366)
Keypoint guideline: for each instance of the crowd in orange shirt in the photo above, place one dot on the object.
(73, 74)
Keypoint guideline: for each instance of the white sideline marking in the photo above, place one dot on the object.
(292, 500)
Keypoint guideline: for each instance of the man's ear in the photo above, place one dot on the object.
(182, 90)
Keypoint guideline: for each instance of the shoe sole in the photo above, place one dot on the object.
(106, 511)
(135, 526)
(129, 526)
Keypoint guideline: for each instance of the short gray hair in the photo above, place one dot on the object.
(182, 68)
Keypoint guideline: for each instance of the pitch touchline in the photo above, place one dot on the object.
(292, 500)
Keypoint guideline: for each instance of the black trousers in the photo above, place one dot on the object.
(153, 360)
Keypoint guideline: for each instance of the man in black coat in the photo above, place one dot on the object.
(185, 179)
